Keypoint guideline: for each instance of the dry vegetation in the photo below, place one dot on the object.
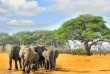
(66, 64)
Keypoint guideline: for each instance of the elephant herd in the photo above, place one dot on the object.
(32, 57)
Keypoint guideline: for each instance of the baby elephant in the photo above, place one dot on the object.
(34, 65)
(49, 59)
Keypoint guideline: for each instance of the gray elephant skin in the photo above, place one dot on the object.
(40, 50)
(29, 58)
(13, 52)
(34, 65)
(49, 59)
(26, 55)
(56, 53)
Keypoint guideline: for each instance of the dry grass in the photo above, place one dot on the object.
(66, 64)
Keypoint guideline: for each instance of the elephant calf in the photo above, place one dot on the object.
(35, 61)
(13, 52)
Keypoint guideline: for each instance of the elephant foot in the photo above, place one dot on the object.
(20, 67)
(9, 68)
(28, 71)
(16, 68)
(35, 69)
(23, 70)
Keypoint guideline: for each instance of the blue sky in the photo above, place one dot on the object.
(31, 15)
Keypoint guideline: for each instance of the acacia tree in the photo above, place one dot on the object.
(88, 29)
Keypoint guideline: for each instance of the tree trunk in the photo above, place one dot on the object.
(87, 47)
(88, 51)
(3, 47)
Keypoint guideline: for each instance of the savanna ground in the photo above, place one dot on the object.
(66, 64)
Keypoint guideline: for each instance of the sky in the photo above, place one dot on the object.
(31, 15)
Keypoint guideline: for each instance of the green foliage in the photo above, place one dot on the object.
(28, 38)
(84, 26)
(65, 51)
(79, 51)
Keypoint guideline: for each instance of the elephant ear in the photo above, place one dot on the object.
(43, 48)
(56, 54)
(16, 50)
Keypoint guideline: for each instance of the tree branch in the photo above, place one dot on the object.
(95, 43)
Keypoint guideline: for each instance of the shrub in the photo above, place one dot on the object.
(64, 51)
(79, 51)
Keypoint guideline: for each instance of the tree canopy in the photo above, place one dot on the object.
(87, 28)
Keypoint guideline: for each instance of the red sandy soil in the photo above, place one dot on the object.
(66, 64)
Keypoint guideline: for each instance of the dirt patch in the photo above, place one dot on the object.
(65, 64)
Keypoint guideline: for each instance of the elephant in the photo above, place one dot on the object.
(56, 53)
(13, 52)
(34, 65)
(49, 59)
(40, 50)
(26, 55)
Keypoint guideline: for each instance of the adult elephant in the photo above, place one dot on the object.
(49, 59)
(40, 50)
(26, 55)
(13, 52)
(56, 53)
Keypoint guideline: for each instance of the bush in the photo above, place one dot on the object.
(79, 51)
(94, 52)
(64, 51)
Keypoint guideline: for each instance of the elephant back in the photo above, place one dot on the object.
(16, 49)
(38, 49)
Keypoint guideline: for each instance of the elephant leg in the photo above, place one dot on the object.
(38, 64)
(10, 63)
(46, 64)
(16, 66)
(20, 63)
(55, 62)
(28, 67)
(43, 63)
(49, 66)
(35, 66)
(25, 63)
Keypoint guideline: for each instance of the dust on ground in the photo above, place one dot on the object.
(65, 64)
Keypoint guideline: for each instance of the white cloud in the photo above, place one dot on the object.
(3, 19)
(28, 23)
(20, 8)
(45, 23)
(21, 23)
(72, 7)
(2, 11)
